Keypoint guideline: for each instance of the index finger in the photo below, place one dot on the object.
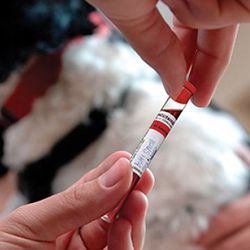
(99, 229)
(213, 54)
(142, 24)
(227, 221)
(158, 45)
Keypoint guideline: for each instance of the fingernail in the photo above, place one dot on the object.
(114, 174)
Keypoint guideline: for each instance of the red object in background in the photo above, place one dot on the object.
(40, 75)
(34, 82)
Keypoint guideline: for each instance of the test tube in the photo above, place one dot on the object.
(153, 139)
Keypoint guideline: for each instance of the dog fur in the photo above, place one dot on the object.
(196, 170)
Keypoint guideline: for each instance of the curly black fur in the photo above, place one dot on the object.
(35, 181)
(38, 26)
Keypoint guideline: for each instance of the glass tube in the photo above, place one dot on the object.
(153, 139)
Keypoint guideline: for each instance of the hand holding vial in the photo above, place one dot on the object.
(71, 219)
(202, 38)
(153, 140)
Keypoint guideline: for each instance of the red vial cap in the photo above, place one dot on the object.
(186, 93)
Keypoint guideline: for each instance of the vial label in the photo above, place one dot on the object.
(163, 122)
(146, 151)
(152, 141)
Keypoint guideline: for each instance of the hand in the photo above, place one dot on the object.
(206, 32)
(230, 228)
(71, 219)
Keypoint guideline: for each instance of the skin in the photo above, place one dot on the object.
(71, 219)
(202, 38)
(230, 228)
(198, 48)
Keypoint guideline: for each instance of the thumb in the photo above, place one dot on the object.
(83, 202)
(142, 24)
(158, 46)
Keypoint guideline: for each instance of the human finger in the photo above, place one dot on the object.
(157, 44)
(188, 39)
(239, 240)
(214, 49)
(146, 30)
(99, 229)
(105, 165)
(211, 14)
(82, 203)
(243, 151)
(129, 228)
(146, 182)
(229, 220)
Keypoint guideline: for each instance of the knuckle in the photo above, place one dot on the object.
(78, 196)
(20, 224)
(71, 197)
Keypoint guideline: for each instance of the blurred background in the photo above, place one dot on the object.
(233, 93)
